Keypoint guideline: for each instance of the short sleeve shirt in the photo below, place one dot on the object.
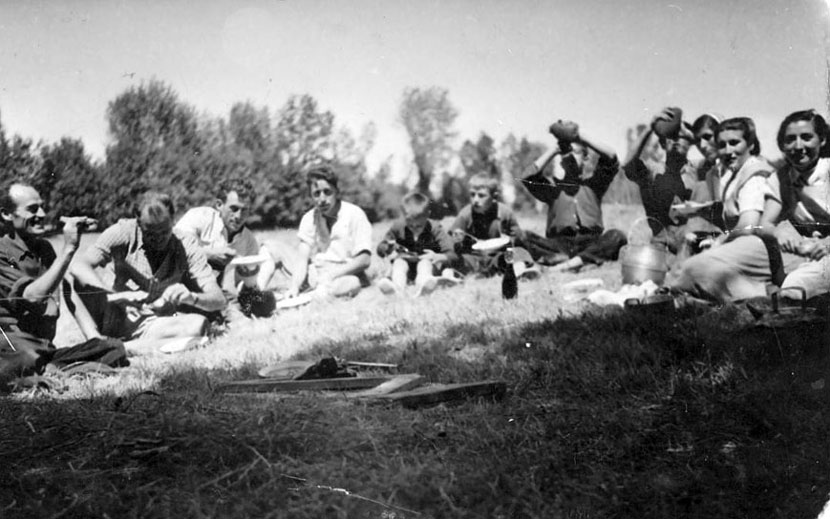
(183, 262)
(746, 190)
(205, 225)
(349, 236)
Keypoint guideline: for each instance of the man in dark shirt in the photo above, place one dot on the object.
(673, 181)
(574, 225)
(30, 274)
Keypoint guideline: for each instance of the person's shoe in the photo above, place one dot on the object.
(427, 287)
(449, 278)
(387, 287)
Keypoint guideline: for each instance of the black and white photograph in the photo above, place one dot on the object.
(377, 259)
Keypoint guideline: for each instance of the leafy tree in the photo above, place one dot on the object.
(20, 158)
(74, 180)
(302, 137)
(428, 117)
(385, 195)
(516, 156)
(479, 157)
(250, 128)
(159, 142)
(155, 144)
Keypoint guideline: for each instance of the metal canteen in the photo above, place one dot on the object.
(644, 262)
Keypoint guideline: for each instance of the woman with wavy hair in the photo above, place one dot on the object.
(805, 191)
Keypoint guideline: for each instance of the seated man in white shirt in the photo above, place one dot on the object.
(335, 242)
(221, 232)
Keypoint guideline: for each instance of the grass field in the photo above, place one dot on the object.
(607, 414)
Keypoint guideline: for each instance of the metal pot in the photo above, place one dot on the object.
(644, 262)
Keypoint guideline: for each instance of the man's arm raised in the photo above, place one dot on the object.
(46, 284)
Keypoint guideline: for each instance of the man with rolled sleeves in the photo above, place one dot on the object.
(335, 241)
(162, 284)
(31, 272)
(221, 233)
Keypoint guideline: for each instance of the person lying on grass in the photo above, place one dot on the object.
(335, 242)
(30, 273)
(221, 233)
(669, 183)
(485, 218)
(163, 285)
(574, 234)
(418, 247)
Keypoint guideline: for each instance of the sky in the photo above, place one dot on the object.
(509, 66)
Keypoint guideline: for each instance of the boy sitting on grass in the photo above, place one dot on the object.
(419, 248)
(482, 219)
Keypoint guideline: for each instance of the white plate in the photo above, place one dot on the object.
(293, 302)
(247, 261)
(492, 244)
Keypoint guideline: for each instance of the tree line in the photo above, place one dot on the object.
(158, 141)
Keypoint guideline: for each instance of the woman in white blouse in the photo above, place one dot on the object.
(744, 260)
(805, 192)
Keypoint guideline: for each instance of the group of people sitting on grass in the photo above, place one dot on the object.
(151, 282)
(737, 225)
(746, 226)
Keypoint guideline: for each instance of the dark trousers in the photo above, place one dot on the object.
(591, 247)
(22, 354)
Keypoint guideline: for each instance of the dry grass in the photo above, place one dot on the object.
(607, 415)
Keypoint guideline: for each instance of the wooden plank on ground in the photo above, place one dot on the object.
(436, 394)
(398, 383)
(266, 385)
(379, 365)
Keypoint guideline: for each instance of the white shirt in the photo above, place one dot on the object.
(350, 235)
(206, 225)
